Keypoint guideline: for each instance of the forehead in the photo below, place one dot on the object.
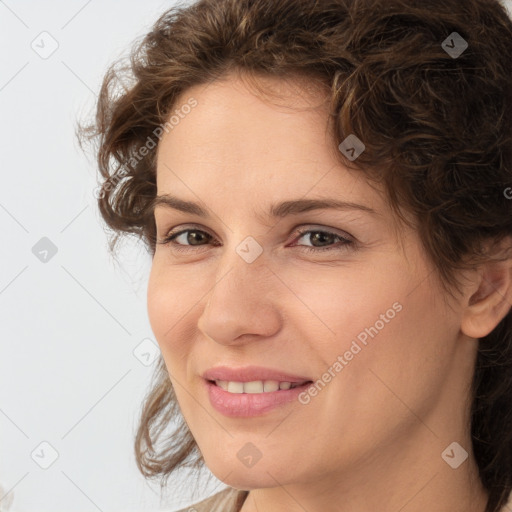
(243, 112)
(243, 146)
(235, 128)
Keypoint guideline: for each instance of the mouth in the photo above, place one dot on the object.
(252, 390)
(253, 398)
(257, 386)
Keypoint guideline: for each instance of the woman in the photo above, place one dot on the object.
(325, 191)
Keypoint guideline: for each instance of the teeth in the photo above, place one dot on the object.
(256, 386)
(270, 385)
(222, 384)
(236, 387)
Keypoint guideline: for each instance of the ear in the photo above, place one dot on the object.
(489, 297)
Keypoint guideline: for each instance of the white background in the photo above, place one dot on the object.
(68, 326)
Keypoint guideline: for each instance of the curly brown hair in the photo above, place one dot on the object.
(437, 128)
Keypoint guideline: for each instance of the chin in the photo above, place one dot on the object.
(247, 480)
(261, 475)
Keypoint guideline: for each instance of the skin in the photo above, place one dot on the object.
(372, 438)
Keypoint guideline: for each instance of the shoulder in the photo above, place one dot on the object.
(224, 501)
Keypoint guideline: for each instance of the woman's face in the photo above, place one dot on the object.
(334, 296)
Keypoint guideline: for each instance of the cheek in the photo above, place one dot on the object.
(387, 330)
(406, 360)
(169, 305)
(340, 304)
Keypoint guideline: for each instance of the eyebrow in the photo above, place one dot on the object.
(282, 209)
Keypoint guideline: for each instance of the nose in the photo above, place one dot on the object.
(242, 303)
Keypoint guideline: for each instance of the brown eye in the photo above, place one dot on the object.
(192, 236)
(187, 238)
(321, 240)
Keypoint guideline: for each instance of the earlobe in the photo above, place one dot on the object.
(491, 301)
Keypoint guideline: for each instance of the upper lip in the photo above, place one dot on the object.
(250, 373)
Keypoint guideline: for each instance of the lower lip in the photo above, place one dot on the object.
(250, 404)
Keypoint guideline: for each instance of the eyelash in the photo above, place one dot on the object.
(345, 242)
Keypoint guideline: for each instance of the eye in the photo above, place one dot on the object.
(320, 240)
(184, 239)
(324, 238)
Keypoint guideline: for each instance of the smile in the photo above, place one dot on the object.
(256, 386)
(254, 398)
